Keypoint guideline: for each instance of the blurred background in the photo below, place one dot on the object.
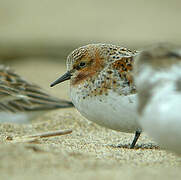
(36, 36)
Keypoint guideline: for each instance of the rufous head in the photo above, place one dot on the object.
(87, 61)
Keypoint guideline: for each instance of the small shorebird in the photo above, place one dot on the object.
(158, 81)
(20, 101)
(102, 88)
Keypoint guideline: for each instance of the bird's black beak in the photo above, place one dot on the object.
(64, 77)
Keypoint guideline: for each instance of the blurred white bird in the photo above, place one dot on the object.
(158, 81)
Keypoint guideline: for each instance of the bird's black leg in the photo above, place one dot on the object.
(137, 135)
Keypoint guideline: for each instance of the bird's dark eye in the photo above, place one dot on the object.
(82, 64)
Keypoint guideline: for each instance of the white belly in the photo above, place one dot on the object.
(112, 111)
(161, 119)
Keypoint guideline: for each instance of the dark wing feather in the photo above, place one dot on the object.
(16, 94)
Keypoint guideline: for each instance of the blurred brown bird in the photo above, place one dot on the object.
(21, 101)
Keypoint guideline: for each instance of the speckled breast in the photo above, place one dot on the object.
(111, 110)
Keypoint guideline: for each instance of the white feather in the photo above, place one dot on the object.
(112, 111)
(161, 118)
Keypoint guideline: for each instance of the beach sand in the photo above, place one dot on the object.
(52, 29)
(89, 152)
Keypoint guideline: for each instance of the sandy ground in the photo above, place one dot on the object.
(90, 152)
(41, 28)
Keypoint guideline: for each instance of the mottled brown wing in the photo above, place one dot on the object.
(17, 95)
(124, 67)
